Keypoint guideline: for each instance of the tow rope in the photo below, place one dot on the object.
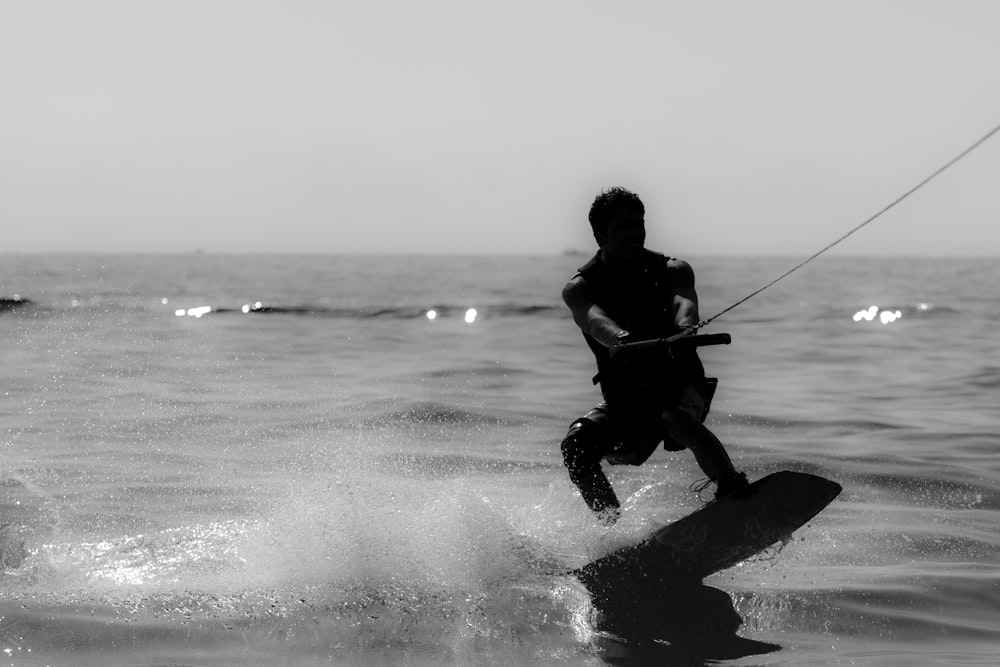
(798, 266)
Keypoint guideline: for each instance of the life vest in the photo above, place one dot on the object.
(642, 303)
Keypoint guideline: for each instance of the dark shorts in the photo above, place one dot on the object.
(631, 430)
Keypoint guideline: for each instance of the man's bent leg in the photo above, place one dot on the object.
(582, 452)
(708, 451)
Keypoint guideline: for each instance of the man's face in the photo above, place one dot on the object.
(626, 234)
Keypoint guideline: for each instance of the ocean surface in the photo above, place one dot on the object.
(234, 460)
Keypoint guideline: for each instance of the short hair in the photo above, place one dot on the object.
(610, 201)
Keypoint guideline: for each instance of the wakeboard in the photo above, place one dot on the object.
(721, 534)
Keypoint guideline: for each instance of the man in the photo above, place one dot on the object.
(628, 293)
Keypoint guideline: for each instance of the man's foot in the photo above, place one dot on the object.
(731, 483)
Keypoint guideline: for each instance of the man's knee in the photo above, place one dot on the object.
(681, 423)
(683, 430)
(581, 446)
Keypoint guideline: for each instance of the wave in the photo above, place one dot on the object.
(924, 310)
(830, 426)
(891, 313)
(405, 312)
(987, 377)
(26, 513)
(445, 578)
(431, 413)
(430, 311)
(471, 313)
(437, 466)
(467, 311)
(428, 572)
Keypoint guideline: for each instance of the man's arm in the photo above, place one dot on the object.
(685, 298)
(588, 315)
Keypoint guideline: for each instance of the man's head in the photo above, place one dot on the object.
(617, 217)
(607, 205)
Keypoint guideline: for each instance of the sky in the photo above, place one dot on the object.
(763, 127)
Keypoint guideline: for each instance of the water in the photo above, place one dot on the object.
(338, 479)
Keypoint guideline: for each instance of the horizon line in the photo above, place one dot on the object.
(391, 253)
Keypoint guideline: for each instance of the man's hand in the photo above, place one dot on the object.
(621, 340)
(665, 347)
